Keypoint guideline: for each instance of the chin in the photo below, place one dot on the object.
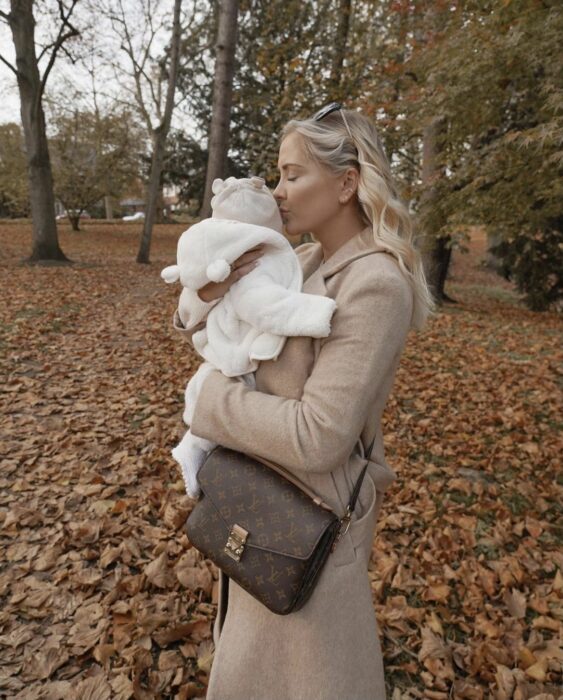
(292, 230)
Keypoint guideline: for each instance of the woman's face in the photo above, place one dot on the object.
(307, 195)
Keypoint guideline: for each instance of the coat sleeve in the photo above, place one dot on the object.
(317, 433)
(272, 308)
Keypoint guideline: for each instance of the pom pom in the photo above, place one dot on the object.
(218, 270)
(171, 274)
(257, 182)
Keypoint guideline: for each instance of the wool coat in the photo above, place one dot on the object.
(313, 411)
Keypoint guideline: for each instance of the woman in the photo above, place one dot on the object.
(317, 406)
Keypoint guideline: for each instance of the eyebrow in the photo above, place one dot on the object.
(287, 165)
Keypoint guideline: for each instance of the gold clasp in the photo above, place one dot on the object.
(236, 541)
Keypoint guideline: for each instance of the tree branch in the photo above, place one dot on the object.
(138, 68)
(61, 38)
(10, 66)
(173, 68)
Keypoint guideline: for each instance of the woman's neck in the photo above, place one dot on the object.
(338, 231)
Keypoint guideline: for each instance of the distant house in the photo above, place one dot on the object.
(171, 198)
(131, 205)
(170, 201)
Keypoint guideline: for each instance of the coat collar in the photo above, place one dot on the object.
(356, 247)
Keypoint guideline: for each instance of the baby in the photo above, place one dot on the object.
(259, 312)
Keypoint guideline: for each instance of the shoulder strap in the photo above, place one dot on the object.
(360, 479)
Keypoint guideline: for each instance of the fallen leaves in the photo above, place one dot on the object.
(102, 594)
(468, 534)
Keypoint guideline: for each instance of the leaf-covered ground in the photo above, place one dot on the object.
(103, 597)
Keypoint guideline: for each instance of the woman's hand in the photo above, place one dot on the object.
(240, 267)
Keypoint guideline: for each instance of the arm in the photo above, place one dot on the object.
(318, 432)
(271, 308)
(191, 313)
(192, 310)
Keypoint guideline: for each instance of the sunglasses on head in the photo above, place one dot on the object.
(332, 107)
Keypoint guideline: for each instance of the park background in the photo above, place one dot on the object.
(115, 108)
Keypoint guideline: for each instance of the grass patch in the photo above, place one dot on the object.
(516, 502)
(30, 312)
(461, 497)
(71, 307)
(490, 552)
(506, 296)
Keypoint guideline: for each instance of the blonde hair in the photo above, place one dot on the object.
(345, 139)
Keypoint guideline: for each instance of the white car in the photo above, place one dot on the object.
(134, 217)
(65, 215)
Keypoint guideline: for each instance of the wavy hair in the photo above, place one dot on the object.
(345, 139)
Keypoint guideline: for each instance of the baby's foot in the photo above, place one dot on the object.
(190, 457)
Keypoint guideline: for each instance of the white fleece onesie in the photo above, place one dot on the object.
(252, 321)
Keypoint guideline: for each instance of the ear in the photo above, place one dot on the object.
(218, 185)
(349, 185)
(218, 270)
(171, 274)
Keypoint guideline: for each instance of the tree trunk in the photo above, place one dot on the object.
(108, 204)
(492, 261)
(436, 250)
(74, 222)
(152, 195)
(159, 141)
(222, 99)
(161, 210)
(42, 199)
(344, 10)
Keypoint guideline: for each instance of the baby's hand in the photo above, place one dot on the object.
(240, 267)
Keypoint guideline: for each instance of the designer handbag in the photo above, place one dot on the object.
(264, 528)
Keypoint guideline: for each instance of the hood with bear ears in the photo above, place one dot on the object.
(245, 199)
(207, 250)
(245, 213)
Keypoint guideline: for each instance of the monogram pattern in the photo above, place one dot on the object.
(289, 537)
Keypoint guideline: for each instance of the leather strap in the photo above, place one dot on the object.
(360, 479)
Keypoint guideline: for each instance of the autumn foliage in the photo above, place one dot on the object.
(102, 595)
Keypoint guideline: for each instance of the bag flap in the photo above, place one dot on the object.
(278, 516)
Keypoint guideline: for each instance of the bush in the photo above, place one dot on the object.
(534, 262)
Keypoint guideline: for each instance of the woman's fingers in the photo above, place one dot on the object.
(241, 271)
(249, 255)
(240, 267)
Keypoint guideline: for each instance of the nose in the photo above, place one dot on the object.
(279, 194)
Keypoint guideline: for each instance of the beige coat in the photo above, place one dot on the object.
(311, 407)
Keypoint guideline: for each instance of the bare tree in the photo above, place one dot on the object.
(31, 86)
(222, 98)
(160, 132)
(151, 82)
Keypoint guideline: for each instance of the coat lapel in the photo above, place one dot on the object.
(315, 272)
(356, 247)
